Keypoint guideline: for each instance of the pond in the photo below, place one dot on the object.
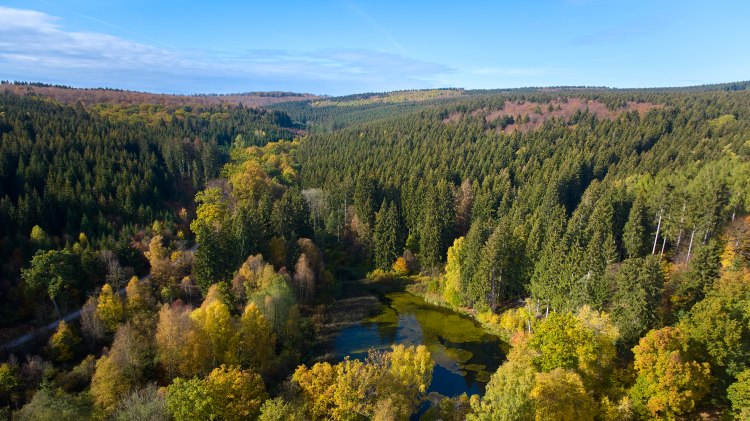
(465, 354)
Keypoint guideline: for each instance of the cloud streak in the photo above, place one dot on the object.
(35, 46)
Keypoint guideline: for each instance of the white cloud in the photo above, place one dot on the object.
(34, 46)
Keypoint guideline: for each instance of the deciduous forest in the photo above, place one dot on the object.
(190, 259)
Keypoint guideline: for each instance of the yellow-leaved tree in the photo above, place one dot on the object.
(351, 389)
(670, 382)
(228, 393)
(109, 308)
(63, 343)
(214, 320)
(256, 342)
(451, 293)
(559, 395)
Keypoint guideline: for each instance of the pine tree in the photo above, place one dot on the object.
(384, 236)
(635, 235)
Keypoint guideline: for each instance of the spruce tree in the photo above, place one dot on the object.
(384, 236)
(635, 235)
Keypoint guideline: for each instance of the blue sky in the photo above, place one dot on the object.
(348, 46)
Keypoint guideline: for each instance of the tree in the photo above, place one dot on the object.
(501, 273)
(452, 291)
(560, 395)
(584, 342)
(49, 404)
(704, 270)
(437, 224)
(507, 396)
(62, 344)
(400, 267)
(304, 278)
(385, 236)
(354, 388)
(635, 235)
(38, 236)
(146, 403)
(162, 271)
(409, 376)
(277, 409)
(214, 321)
(139, 298)
(122, 370)
(9, 383)
(227, 393)
(256, 342)
(109, 308)
(178, 349)
(635, 303)
(739, 394)
(91, 325)
(53, 271)
(718, 329)
(669, 383)
(472, 254)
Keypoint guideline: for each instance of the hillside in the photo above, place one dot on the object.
(71, 96)
(592, 243)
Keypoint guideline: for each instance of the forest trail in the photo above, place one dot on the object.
(48, 329)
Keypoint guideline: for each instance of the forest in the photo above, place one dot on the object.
(602, 235)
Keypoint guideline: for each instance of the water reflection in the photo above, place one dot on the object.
(465, 355)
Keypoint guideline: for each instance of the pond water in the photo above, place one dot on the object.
(465, 355)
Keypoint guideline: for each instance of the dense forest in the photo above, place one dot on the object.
(603, 234)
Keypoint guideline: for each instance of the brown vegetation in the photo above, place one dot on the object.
(119, 97)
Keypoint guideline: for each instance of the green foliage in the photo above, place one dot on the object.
(147, 403)
(719, 327)
(507, 396)
(52, 271)
(227, 393)
(584, 342)
(9, 383)
(277, 409)
(634, 305)
(49, 404)
(739, 394)
(385, 236)
(501, 274)
(636, 234)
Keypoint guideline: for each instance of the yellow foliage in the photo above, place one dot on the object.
(401, 267)
(110, 309)
(560, 395)
(256, 342)
(356, 389)
(451, 292)
(63, 342)
(214, 320)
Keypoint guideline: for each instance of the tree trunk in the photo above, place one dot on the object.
(679, 236)
(57, 309)
(690, 247)
(656, 238)
(663, 245)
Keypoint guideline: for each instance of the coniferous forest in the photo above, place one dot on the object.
(197, 260)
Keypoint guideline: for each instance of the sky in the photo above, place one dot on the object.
(347, 46)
